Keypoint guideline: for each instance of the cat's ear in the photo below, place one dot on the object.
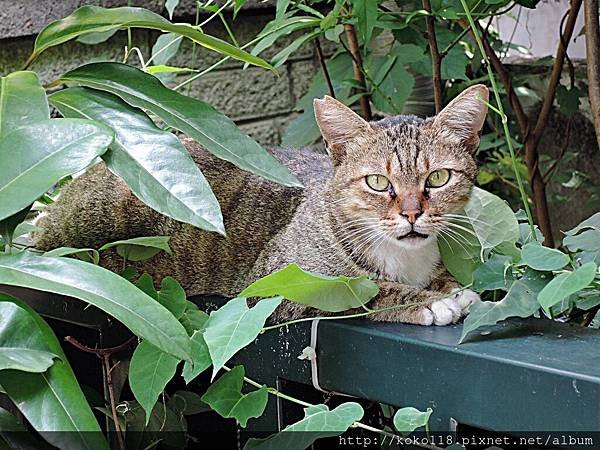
(464, 116)
(338, 125)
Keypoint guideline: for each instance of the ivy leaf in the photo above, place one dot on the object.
(519, 301)
(226, 398)
(233, 326)
(140, 248)
(366, 13)
(200, 354)
(543, 258)
(588, 240)
(493, 274)
(318, 422)
(193, 319)
(170, 6)
(566, 284)
(407, 420)
(149, 372)
(333, 294)
(568, 99)
(172, 296)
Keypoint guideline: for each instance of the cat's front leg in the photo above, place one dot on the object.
(407, 304)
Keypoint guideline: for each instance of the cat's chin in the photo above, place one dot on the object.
(414, 240)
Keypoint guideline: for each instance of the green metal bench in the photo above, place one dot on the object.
(522, 375)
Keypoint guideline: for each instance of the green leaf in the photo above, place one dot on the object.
(281, 57)
(493, 274)
(172, 296)
(149, 372)
(567, 284)
(318, 422)
(200, 357)
(277, 29)
(85, 254)
(154, 163)
(327, 293)
(193, 319)
(161, 68)
(170, 6)
(22, 101)
(53, 401)
(226, 398)
(592, 222)
(543, 258)
(106, 290)
(366, 14)
(165, 48)
(35, 157)
(22, 345)
(197, 119)
(96, 38)
(140, 248)
(16, 435)
(187, 403)
(394, 84)
(407, 420)
(568, 99)
(487, 222)
(233, 326)
(9, 225)
(164, 426)
(588, 240)
(94, 19)
(145, 283)
(519, 301)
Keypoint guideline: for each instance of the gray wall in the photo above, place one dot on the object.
(258, 100)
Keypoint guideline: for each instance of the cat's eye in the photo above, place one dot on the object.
(378, 183)
(438, 178)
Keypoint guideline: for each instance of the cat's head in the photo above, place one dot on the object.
(402, 179)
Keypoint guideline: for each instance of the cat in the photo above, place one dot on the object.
(375, 205)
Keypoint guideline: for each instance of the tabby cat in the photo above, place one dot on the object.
(375, 206)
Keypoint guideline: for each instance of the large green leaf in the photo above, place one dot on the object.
(154, 163)
(226, 398)
(519, 301)
(197, 119)
(588, 240)
(172, 296)
(35, 157)
(53, 401)
(592, 222)
(140, 248)
(22, 345)
(200, 354)
(104, 289)
(365, 12)
(149, 372)
(566, 284)
(485, 223)
(333, 294)
(318, 422)
(16, 435)
(539, 257)
(233, 326)
(22, 101)
(407, 420)
(493, 274)
(94, 19)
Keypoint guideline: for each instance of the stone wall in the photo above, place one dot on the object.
(259, 101)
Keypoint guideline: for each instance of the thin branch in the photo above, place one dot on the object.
(357, 65)
(321, 59)
(436, 58)
(592, 45)
(563, 150)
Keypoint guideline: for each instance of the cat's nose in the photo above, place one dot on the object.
(411, 215)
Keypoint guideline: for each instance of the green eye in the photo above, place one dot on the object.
(438, 178)
(377, 182)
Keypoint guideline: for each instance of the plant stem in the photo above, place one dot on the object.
(357, 65)
(321, 59)
(511, 150)
(436, 58)
(592, 45)
(348, 316)
(304, 404)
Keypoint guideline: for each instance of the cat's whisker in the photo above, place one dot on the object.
(460, 227)
(465, 219)
(452, 237)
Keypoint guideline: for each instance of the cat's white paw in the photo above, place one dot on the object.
(450, 309)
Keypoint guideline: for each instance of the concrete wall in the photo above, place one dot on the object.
(259, 101)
